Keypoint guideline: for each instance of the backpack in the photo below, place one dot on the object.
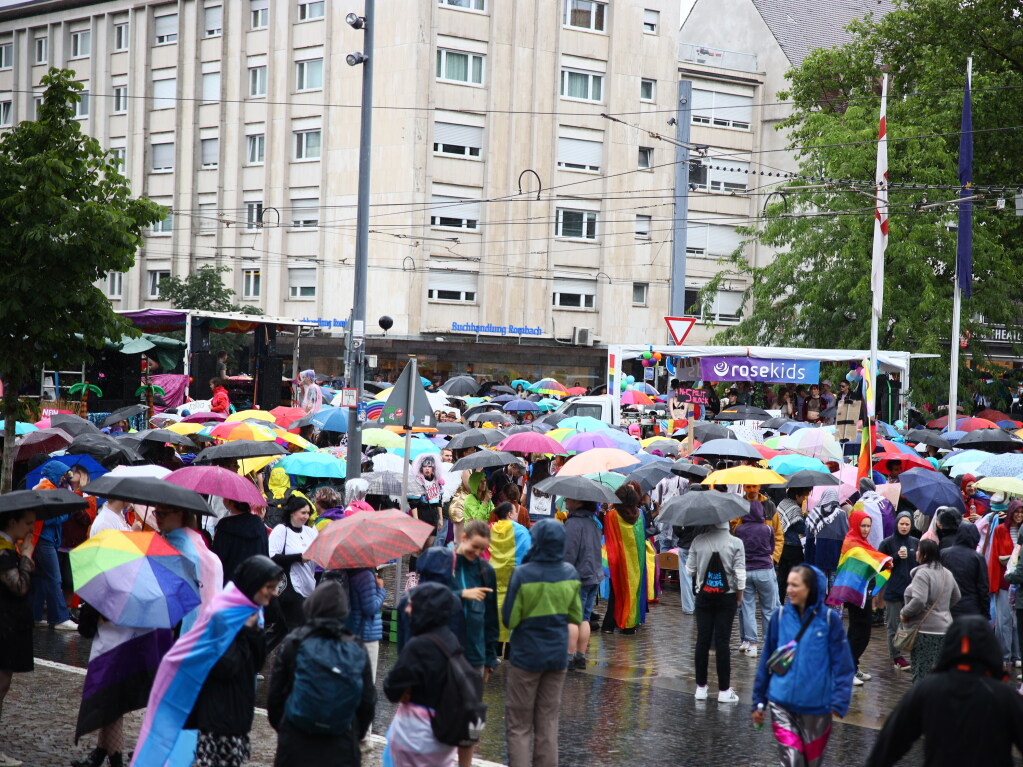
(461, 712)
(327, 686)
(715, 579)
(275, 514)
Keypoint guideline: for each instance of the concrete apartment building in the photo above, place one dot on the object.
(242, 117)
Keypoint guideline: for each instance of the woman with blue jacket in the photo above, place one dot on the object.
(818, 684)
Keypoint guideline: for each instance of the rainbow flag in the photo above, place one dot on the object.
(625, 549)
(374, 409)
(856, 566)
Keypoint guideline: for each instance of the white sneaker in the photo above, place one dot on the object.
(857, 682)
(751, 651)
(743, 646)
(728, 696)
(701, 692)
(863, 676)
(68, 625)
(8, 761)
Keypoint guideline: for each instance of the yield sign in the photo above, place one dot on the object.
(679, 328)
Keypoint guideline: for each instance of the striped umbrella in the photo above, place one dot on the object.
(549, 387)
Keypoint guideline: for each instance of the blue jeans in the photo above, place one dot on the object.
(1003, 622)
(762, 584)
(588, 597)
(46, 585)
(685, 583)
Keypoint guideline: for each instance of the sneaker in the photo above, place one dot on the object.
(743, 646)
(857, 682)
(752, 651)
(728, 696)
(8, 761)
(68, 625)
(701, 692)
(40, 623)
(863, 676)
(901, 664)
(579, 662)
(1018, 663)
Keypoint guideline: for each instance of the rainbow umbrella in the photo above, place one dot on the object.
(135, 579)
(243, 430)
(549, 387)
(561, 434)
(244, 415)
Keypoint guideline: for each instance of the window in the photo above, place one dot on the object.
(302, 283)
(259, 14)
(253, 215)
(256, 148)
(722, 110)
(732, 177)
(726, 306)
(251, 283)
(81, 45)
(455, 207)
(211, 86)
(639, 293)
(120, 37)
(643, 226)
(310, 11)
(651, 21)
(41, 48)
(305, 212)
(576, 224)
(37, 106)
(165, 29)
(646, 158)
(163, 157)
(458, 67)
(457, 140)
(307, 144)
(578, 84)
(164, 92)
(580, 149)
(469, 5)
(452, 285)
(115, 284)
(257, 80)
(6, 112)
(309, 75)
(82, 107)
(585, 14)
(213, 21)
(6, 55)
(120, 157)
(574, 294)
(206, 221)
(120, 99)
(209, 152)
(156, 276)
(166, 226)
(647, 89)
(712, 239)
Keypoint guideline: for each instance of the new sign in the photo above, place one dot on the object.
(758, 369)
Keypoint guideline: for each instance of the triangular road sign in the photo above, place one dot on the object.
(396, 409)
(679, 328)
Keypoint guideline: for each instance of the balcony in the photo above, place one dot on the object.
(717, 57)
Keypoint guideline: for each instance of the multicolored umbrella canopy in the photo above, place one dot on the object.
(245, 415)
(368, 539)
(243, 430)
(549, 387)
(135, 579)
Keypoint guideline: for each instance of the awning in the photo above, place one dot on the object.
(167, 320)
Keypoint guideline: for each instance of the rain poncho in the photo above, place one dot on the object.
(478, 504)
(355, 496)
(880, 511)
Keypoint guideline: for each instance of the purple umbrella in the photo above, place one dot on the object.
(521, 406)
(203, 417)
(588, 440)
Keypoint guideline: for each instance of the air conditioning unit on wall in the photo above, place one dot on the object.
(582, 336)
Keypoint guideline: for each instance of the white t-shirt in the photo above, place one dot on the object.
(108, 519)
(284, 540)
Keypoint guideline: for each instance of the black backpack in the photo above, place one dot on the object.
(461, 712)
(275, 514)
(715, 579)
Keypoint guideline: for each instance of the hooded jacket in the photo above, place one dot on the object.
(482, 626)
(435, 565)
(473, 507)
(542, 599)
(826, 528)
(757, 539)
(238, 537)
(731, 550)
(582, 546)
(821, 677)
(967, 677)
(970, 572)
(901, 568)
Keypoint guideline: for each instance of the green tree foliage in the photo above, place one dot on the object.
(816, 293)
(203, 290)
(67, 218)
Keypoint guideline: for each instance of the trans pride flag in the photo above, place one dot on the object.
(856, 566)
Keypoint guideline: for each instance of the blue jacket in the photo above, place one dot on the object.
(821, 676)
(482, 627)
(435, 565)
(366, 599)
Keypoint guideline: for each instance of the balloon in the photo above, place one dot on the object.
(657, 356)
(624, 384)
(851, 376)
(630, 379)
(646, 355)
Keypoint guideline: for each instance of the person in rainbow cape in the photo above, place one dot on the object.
(625, 546)
(202, 702)
(509, 544)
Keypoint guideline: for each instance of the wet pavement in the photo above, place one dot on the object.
(633, 704)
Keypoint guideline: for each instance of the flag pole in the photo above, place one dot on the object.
(957, 298)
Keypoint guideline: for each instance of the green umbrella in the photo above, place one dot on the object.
(610, 479)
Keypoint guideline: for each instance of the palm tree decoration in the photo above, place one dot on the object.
(149, 391)
(84, 389)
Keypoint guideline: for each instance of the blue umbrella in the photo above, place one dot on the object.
(418, 447)
(966, 456)
(87, 461)
(927, 490)
(583, 423)
(521, 406)
(426, 381)
(1008, 465)
(887, 429)
(20, 428)
(790, 464)
(791, 426)
(520, 382)
(502, 398)
(322, 465)
(954, 436)
(331, 419)
(622, 440)
(644, 459)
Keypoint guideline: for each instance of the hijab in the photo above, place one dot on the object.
(853, 537)
(823, 513)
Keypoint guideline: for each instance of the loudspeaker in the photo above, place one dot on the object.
(268, 382)
(888, 399)
(200, 335)
(118, 376)
(265, 338)
(204, 367)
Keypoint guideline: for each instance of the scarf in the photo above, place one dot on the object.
(823, 513)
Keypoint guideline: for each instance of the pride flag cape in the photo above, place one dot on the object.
(626, 561)
(856, 566)
(162, 739)
(509, 544)
(207, 566)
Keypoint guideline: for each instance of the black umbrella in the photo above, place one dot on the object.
(493, 416)
(686, 468)
(666, 446)
(449, 427)
(164, 436)
(707, 508)
(73, 424)
(239, 448)
(306, 420)
(46, 503)
(926, 437)
(42, 441)
(705, 432)
(469, 438)
(484, 459)
(519, 429)
(107, 450)
(148, 491)
(650, 474)
(742, 413)
(992, 440)
(540, 427)
(122, 414)
(728, 448)
(383, 483)
(577, 488)
(808, 478)
(553, 418)
(460, 386)
(376, 386)
(502, 389)
(774, 423)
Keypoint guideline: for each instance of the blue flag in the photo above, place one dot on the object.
(964, 245)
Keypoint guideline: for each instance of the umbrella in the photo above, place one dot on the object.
(1007, 485)
(925, 437)
(650, 474)
(484, 459)
(144, 470)
(598, 459)
(622, 440)
(965, 456)
(260, 432)
(320, 465)
(581, 423)
(520, 382)
(166, 436)
(123, 414)
(580, 443)
(383, 482)
(381, 438)
(578, 488)
(94, 469)
(331, 419)
(286, 416)
(241, 448)
(1000, 466)
(927, 490)
(554, 419)
(904, 460)
(686, 468)
(470, 438)
(186, 428)
(609, 479)
(994, 440)
(548, 405)
(531, 442)
(633, 397)
(148, 491)
(810, 478)
(577, 390)
(521, 406)
(42, 441)
(460, 386)
(792, 427)
(203, 417)
(491, 416)
(416, 448)
(500, 389)
(368, 539)
(744, 475)
(767, 453)
(46, 503)
(731, 449)
(73, 424)
(135, 579)
(107, 450)
(816, 443)
(245, 415)
(702, 508)
(502, 398)
(743, 413)
(776, 422)
(705, 432)
(549, 387)
(214, 480)
(993, 415)
(973, 424)
(21, 428)
(790, 464)
(451, 428)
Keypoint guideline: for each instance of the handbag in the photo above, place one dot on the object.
(780, 661)
(905, 637)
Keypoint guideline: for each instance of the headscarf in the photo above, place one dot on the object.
(254, 573)
(854, 536)
(823, 513)
(1014, 504)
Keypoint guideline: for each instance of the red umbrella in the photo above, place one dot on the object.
(972, 424)
(203, 417)
(576, 390)
(285, 416)
(993, 415)
(633, 397)
(214, 480)
(531, 442)
(42, 441)
(769, 452)
(905, 461)
(368, 539)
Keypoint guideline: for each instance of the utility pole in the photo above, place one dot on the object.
(357, 334)
(680, 221)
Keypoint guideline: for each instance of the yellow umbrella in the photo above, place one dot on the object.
(384, 393)
(185, 428)
(1007, 485)
(294, 439)
(744, 475)
(242, 415)
(381, 438)
(252, 465)
(561, 434)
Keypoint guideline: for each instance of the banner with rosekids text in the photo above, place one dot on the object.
(759, 369)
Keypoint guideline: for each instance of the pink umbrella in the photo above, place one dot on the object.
(847, 475)
(215, 480)
(203, 417)
(527, 442)
(42, 441)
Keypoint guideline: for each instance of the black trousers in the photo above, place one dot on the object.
(791, 555)
(715, 615)
(859, 629)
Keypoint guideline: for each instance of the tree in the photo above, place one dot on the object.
(68, 219)
(817, 290)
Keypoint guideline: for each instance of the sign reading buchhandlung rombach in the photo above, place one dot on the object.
(758, 369)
